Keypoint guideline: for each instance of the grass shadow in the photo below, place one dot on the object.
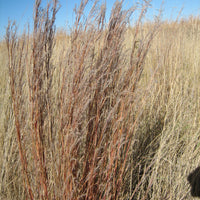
(194, 180)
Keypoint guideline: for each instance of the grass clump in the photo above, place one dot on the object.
(106, 113)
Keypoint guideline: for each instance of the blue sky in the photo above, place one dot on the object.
(22, 10)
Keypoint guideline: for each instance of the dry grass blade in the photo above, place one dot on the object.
(106, 111)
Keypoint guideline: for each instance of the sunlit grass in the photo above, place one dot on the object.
(108, 111)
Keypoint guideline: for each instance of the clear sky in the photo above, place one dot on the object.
(22, 10)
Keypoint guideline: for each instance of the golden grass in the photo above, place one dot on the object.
(107, 112)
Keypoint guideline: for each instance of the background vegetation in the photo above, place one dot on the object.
(109, 111)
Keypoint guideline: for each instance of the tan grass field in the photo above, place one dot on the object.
(109, 111)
